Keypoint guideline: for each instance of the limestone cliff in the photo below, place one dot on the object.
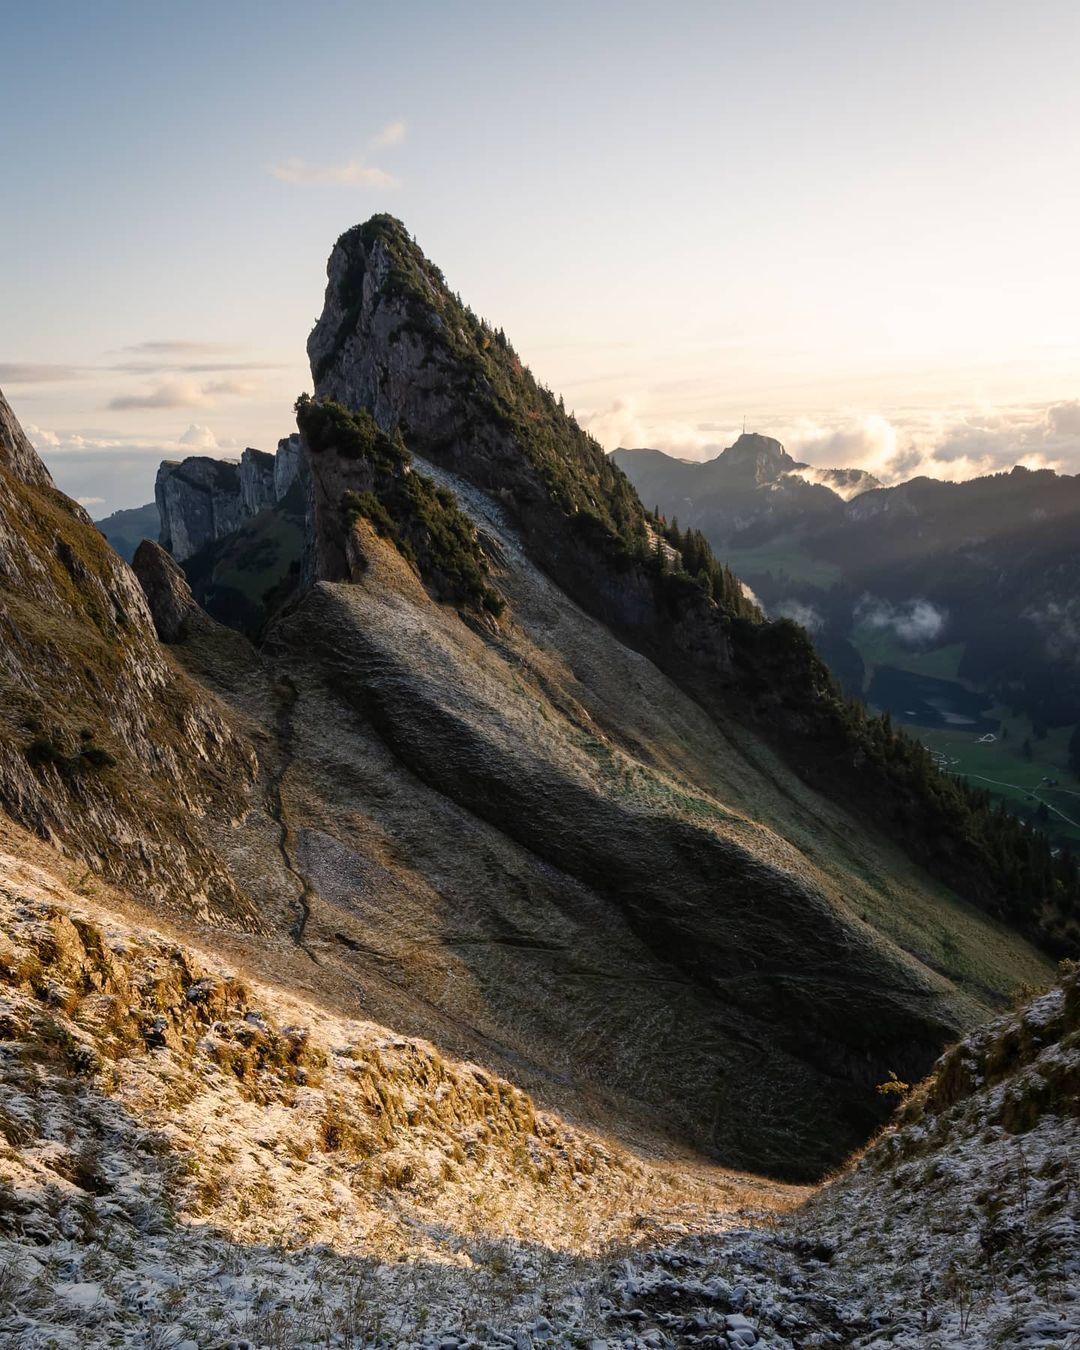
(256, 481)
(199, 500)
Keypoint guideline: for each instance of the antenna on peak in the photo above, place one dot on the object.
(744, 424)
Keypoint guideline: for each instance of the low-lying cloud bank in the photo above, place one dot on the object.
(915, 622)
(951, 444)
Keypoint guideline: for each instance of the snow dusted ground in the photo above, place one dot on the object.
(188, 1160)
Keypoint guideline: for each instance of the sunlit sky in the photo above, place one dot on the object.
(855, 224)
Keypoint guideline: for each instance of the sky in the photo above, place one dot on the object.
(854, 225)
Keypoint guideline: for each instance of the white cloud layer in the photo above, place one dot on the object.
(801, 613)
(199, 437)
(953, 444)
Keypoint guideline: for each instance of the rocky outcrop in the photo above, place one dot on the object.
(395, 342)
(286, 464)
(166, 589)
(201, 500)
(256, 481)
(17, 455)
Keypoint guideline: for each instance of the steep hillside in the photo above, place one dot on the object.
(393, 341)
(105, 747)
(517, 837)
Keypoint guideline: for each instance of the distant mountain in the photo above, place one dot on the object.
(752, 481)
(956, 606)
(126, 530)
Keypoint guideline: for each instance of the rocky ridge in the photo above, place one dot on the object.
(201, 500)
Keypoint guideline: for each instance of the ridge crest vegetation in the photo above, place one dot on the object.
(421, 519)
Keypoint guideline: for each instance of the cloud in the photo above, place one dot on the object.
(801, 613)
(1064, 418)
(624, 423)
(947, 444)
(176, 347)
(39, 438)
(190, 367)
(178, 393)
(392, 134)
(230, 388)
(354, 174)
(950, 445)
(834, 482)
(914, 621)
(199, 436)
(90, 501)
(168, 394)
(41, 373)
(1059, 623)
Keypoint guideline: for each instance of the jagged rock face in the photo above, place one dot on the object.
(256, 481)
(286, 465)
(103, 745)
(202, 500)
(166, 589)
(17, 455)
(199, 500)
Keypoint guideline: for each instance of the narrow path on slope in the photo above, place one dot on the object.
(276, 807)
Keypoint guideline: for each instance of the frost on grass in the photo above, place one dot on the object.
(189, 1158)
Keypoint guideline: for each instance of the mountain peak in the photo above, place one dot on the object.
(761, 457)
